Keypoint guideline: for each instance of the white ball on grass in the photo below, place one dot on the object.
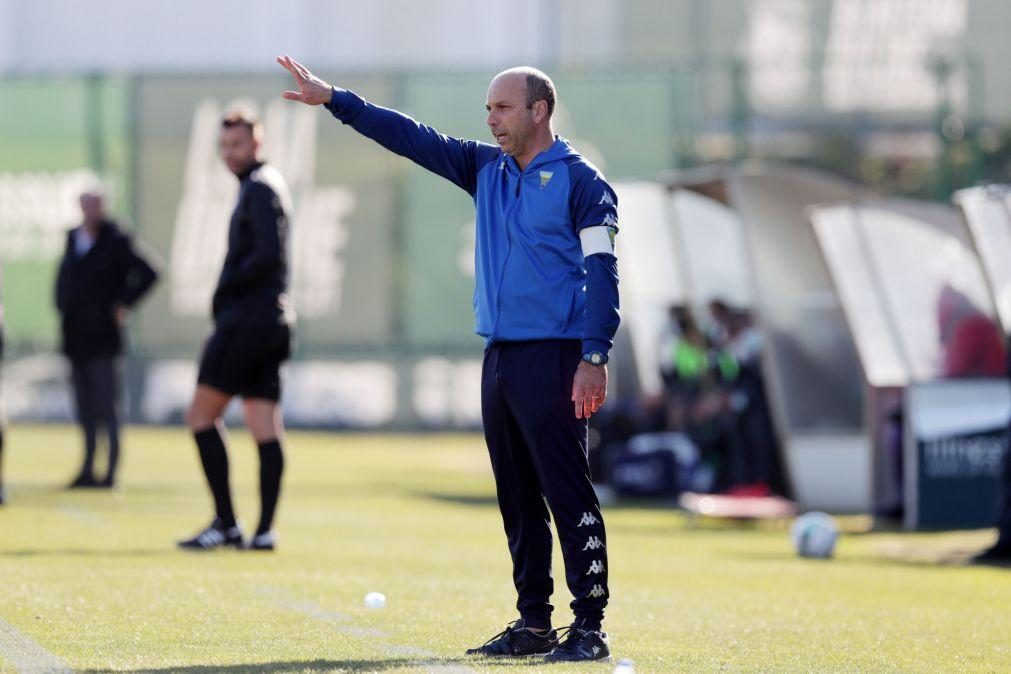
(814, 535)
(375, 600)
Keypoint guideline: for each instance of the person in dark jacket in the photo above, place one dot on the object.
(999, 553)
(251, 339)
(101, 277)
(3, 419)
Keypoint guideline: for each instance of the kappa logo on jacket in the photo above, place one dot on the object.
(606, 199)
(594, 543)
(597, 592)
(596, 567)
(588, 520)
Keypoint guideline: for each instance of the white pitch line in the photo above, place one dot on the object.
(26, 655)
(339, 620)
(82, 515)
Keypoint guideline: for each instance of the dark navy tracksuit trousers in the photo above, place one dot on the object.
(538, 454)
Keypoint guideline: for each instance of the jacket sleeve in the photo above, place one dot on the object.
(593, 204)
(59, 288)
(141, 272)
(269, 223)
(451, 158)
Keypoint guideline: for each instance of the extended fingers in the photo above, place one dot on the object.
(600, 395)
(581, 397)
(302, 70)
(586, 404)
(296, 69)
(286, 63)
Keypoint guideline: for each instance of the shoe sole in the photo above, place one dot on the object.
(199, 548)
(605, 659)
(503, 656)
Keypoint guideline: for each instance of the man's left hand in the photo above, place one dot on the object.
(311, 89)
(589, 389)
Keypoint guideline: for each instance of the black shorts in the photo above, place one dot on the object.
(246, 361)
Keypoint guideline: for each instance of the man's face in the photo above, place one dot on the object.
(237, 148)
(510, 121)
(92, 207)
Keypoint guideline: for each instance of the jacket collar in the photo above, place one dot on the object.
(249, 171)
(560, 149)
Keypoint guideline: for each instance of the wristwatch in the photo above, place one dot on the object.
(595, 358)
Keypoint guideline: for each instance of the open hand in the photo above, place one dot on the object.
(312, 90)
(589, 389)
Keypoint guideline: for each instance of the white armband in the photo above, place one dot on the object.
(599, 239)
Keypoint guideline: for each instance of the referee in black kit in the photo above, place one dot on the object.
(251, 339)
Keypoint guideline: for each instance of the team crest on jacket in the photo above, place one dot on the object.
(545, 178)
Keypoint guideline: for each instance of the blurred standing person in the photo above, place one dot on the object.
(3, 418)
(102, 275)
(251, 339)
(739, 336)
(1000, 552)
(546, 302)
(698, 379)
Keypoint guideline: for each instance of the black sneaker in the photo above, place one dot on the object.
(83, 481)
(265, 541)
(517, 641)
(999, 554)
(214, 536)
(580, 645)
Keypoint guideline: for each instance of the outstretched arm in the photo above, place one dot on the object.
(456, 160)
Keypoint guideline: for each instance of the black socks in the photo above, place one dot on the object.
(214, 458)
(271, 467)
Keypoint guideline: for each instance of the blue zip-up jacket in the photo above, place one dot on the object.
(533, 281)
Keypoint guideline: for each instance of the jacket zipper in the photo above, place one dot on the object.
(505, 262)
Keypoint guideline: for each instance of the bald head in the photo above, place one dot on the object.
(538, 85)
(520, 103)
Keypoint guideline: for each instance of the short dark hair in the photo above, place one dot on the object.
(244, 118)
(540, 88)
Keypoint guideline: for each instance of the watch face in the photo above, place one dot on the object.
(596, 358)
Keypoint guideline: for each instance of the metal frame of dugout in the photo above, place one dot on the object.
(838, 329)
(909, 281)
(809, 362)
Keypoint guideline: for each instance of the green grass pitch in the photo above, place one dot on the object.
(94, 578)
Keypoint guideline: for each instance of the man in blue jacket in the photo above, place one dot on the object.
(546, 303)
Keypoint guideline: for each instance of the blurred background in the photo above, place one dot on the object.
(812, 166)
